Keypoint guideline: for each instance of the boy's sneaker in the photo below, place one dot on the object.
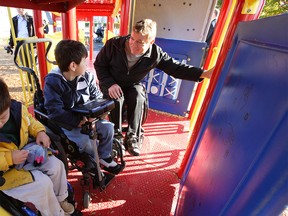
(133, 146)
(110, 165)
(67, 207)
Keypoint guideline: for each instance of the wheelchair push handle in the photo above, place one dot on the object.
(29, 41)
(38, 97)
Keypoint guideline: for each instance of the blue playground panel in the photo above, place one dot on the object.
(239, 164)
(166, 93)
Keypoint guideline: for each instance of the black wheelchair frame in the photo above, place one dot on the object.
(18, 208)
(140, 133)
(69, 151)
(13, 206)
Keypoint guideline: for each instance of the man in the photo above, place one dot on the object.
(121, 65)
(22, 26)
(45, 27)
(212, 26)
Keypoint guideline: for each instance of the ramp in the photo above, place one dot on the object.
(239, 163)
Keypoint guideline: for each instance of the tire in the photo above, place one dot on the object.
(70, 198)
(145, 111)
(116, 151)
(61, 155)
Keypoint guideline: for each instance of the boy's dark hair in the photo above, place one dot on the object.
(5, 96)
(68, 51)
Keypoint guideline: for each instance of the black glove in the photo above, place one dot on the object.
(8, 49)
(2, 180)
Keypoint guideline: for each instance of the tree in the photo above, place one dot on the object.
(271, 7)
(274, 7)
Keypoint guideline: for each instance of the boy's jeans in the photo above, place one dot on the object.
(105, 132)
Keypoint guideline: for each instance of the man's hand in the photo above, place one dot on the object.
(115, 91)
(208, 73)
(43, 139)
(19, 156)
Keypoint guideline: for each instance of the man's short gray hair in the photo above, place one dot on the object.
(146, 27)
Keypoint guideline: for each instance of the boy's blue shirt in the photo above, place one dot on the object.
(61, 96)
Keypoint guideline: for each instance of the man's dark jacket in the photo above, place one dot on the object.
(112, 68)
(30, 27)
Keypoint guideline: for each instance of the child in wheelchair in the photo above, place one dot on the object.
(69, 85)
(43, 183)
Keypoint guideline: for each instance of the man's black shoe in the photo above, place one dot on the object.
(132, 145)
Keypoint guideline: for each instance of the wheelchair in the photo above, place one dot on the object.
(8, 205)
(69, 151)
(14, 207)
(140, 132)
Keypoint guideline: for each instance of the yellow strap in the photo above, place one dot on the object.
(15, 178)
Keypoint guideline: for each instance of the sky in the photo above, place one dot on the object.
(5, 25)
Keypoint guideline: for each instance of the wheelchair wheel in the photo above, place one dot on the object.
(61, 155)
(86, 199)
(145, 110)
(11, 206)
(117, 152)
(144, 114)
(70, 198)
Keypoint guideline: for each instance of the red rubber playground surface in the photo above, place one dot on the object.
(149, 183)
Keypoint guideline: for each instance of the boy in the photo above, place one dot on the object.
(46, 185)
(68, 85)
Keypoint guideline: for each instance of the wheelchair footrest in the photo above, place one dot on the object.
(122, 166)
(115, 170)
(106, 180)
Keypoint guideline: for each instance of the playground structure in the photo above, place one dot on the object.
(207, 103)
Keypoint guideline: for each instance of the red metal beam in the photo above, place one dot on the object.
(68, 24)
(82, 14)
(40, 46)
(96, 7)
(58, 6)
(91, 38)
(125, 11)
(49, 2)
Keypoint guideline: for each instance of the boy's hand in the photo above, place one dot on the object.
(43, 139)
(83, 121)
(19, 156)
